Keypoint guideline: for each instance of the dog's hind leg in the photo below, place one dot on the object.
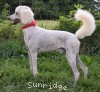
(30, 58)
(82, 66)
(71, 56)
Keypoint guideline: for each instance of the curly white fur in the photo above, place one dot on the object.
(88, 26)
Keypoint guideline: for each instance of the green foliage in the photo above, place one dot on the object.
(9, 31)
(91, 45)
(97, 15)
(78, 6)
(5, 30)
(15, 74)
(49, 9)
(48, 24)
(5, 11)
(11, 48)
(68, 24)
(73, 11)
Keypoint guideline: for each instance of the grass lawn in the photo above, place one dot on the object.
(54, 73)
(48, 24)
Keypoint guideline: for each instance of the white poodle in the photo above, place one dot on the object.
(39, 40)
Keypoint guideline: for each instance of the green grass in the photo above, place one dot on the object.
(48, 24)
(53, 67)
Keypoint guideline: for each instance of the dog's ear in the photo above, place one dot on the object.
(26, 16)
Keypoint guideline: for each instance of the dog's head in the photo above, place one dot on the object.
(22, 14)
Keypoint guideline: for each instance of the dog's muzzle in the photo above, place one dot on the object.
(15, 21)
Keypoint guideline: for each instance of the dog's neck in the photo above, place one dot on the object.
(33, 23)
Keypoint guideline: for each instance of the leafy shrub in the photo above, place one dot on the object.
(8, 31)
(90, 45)
(5, 11)
(68, 24)
(97, 15)
(5, 30)
(11, 48)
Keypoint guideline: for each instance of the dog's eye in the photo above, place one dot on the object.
(16, 13)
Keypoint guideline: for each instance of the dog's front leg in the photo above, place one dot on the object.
(29, 55)
(34, 63)
(30, 59)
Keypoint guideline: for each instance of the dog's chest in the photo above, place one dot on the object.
(28, 36)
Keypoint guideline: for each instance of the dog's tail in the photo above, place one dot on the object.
(88, 21)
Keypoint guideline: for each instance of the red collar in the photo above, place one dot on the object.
(33, 23)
